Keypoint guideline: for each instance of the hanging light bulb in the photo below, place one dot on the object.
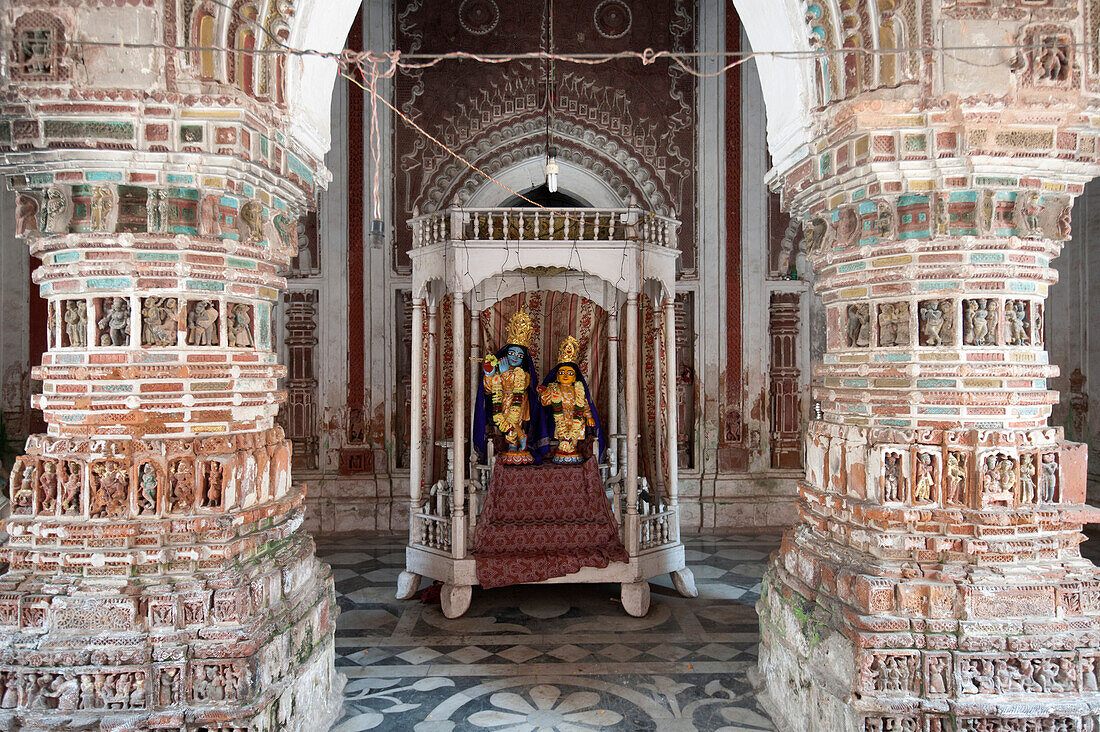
(552, 169)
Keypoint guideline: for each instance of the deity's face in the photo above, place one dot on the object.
(514, 355)
(566, 375)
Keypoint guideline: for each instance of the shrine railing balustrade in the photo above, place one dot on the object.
(436, 513)
(548, 224)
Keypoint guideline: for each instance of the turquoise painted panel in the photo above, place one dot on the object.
(299, 168)
(156, 257)
(204, 285)
(68, 358)
(190, 194)
(935, 383)
(103, 175)
(939, 285)
(65, 257)
(1018, 286)
(987, 257)
(852, 267)
(963, 197)
(180, 178)
(110, 283)
(229, 202)
(148, 357)
(895, 422)
(263, 326)
(938, 410)
(855, 383)
(242, 263)
(895, 357)
(38, 179)
(176, 229)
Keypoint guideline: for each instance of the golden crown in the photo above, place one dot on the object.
(520, 329)
(569, 349)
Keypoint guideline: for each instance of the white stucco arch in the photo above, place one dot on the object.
(574, 180)
(771, 25)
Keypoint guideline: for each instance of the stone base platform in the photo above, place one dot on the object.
(994, 658)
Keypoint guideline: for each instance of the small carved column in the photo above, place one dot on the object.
(934, 581)
(161, 241)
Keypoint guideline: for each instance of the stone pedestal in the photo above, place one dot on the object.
(158, 576)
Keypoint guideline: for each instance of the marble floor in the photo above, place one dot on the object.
(561, 657)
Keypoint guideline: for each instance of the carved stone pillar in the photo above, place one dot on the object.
(159, 577)
(934, 582)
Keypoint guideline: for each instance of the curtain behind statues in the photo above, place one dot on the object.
(556, 315)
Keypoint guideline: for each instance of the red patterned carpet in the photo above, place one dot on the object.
(543, 521)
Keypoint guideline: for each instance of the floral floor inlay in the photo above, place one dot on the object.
(560, 657)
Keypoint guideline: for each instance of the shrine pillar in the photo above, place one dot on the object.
(158, 576)
(934, 581)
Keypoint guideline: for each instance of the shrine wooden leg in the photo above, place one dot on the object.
(407, 585)
(455, 599)
(635, 598)
(684, 581)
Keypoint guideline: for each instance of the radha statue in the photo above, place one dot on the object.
(566, 394)
(510, 401)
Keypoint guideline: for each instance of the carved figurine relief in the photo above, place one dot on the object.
(202, 323)
(182, 486)
(1017, 323)
(1052, 59)
(1026, 486)
(884, 223)
(893, 324)
(1025, 217)
(26, 214)
(103, 203)
(938, 674)
(147, 495)
(167, 692)
(157, 209)
(1048, 477)
(980, 318)
(565, 392)
(56, 203)
(998, 479)
(212, 484)
(47, 487)
(110, 490)
(859, 326)
(22, 487)
(925, 483)
(70, 489)
(251, 221)
(158, 321)
(209, 219)
(956, 478)
(114, 325)
(892, 478)
(239, 331)
(76, 323)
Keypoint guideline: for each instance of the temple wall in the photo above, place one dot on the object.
(351, 455)
(1073, 330)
